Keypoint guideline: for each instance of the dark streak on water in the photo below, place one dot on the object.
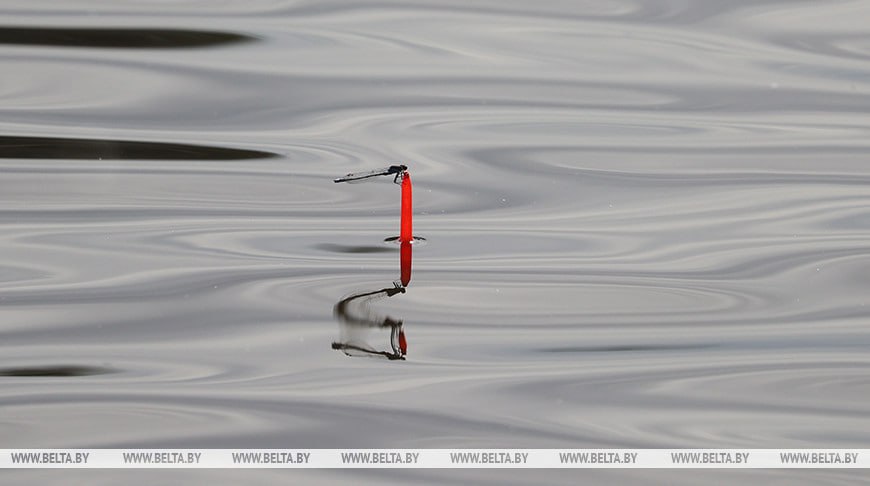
(55, 371)
(353, 249)
(117, 38)
(90, 149)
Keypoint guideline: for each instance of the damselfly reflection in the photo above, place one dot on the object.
(358, 324)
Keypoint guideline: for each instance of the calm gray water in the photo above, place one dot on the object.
(647, 224)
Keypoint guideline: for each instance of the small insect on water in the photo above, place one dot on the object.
(398, 170)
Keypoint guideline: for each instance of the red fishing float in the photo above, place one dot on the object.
(405, 235)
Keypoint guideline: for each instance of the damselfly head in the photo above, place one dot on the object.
(400, 173)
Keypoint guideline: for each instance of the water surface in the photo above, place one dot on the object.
(647, 225)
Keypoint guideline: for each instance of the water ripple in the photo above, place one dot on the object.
(647, 225)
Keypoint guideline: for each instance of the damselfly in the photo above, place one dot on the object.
(393, 169)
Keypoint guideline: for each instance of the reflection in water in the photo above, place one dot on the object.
(356, 320)
(405, 262)
(117, 38)
(80, 148)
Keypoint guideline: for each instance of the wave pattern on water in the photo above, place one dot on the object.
(646, 224)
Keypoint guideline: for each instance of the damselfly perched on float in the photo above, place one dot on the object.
(398, 170)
